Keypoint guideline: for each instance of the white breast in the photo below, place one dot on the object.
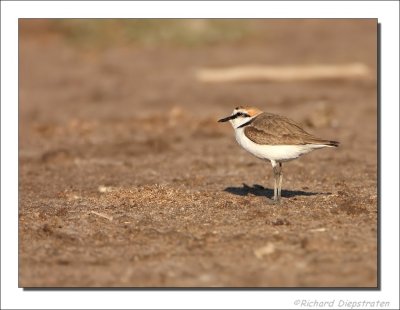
(278, 153)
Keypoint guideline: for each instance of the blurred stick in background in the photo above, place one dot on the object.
(284, 73)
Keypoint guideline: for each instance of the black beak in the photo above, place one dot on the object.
(227, 118)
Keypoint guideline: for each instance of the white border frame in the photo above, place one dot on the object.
(14, 298)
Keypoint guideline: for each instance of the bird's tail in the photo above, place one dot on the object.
(331, 143)
(323, 143)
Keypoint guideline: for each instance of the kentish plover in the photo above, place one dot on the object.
(274, 138)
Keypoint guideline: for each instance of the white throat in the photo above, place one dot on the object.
(237, 122)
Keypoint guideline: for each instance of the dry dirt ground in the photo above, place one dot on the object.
(127, 180)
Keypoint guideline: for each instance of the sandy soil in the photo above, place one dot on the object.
(127, 180)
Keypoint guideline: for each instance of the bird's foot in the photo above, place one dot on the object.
(274, 201)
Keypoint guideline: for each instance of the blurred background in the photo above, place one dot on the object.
(116, 62)
(127, 179)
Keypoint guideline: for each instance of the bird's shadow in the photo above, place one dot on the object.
(259, 190)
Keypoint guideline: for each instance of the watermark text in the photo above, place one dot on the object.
(341, 303)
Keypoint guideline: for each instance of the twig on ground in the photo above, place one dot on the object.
(108, 217)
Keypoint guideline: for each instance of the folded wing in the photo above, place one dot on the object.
(271, 129)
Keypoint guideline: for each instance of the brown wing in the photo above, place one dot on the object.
(273, 129)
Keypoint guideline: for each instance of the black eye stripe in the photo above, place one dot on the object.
(242, 114)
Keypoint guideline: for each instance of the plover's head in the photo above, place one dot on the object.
(240, 116)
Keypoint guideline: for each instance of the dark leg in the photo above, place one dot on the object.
(277, 168)
(280, 181)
